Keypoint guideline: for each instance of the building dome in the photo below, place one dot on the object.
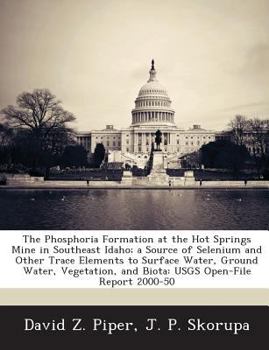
(152, 106)
(153, 88)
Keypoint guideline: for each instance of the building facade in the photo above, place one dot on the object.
(152, 112)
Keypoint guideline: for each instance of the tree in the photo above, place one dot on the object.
(6, 135)
(74, 155)
(6, 142)
(259, 135)
(38, 111)
(99, 154)
(40, 115)
(259, 141)
(192, 160)
(223, 154)
(239, 125)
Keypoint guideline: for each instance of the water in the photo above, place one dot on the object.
(134, 209)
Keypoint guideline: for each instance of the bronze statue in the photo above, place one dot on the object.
(158, 139)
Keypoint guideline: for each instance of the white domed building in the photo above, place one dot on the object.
(152, 112)
(153, 106)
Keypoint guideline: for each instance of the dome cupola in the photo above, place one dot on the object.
(152, 106)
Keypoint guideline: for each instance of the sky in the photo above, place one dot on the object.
(94, 55)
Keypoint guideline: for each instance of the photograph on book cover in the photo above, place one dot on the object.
(135, 125)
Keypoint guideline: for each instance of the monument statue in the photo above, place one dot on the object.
(158, 174)
(158, 139)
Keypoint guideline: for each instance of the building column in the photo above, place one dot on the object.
(135, 142)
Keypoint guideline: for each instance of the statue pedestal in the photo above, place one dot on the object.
(127, 177)
(189, 177)
(158, 162)
(158, 174)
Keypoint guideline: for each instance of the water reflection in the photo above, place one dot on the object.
(134, 209)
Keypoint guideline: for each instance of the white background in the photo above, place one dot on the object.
(13, 276)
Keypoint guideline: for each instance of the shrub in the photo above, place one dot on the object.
(3, 180)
